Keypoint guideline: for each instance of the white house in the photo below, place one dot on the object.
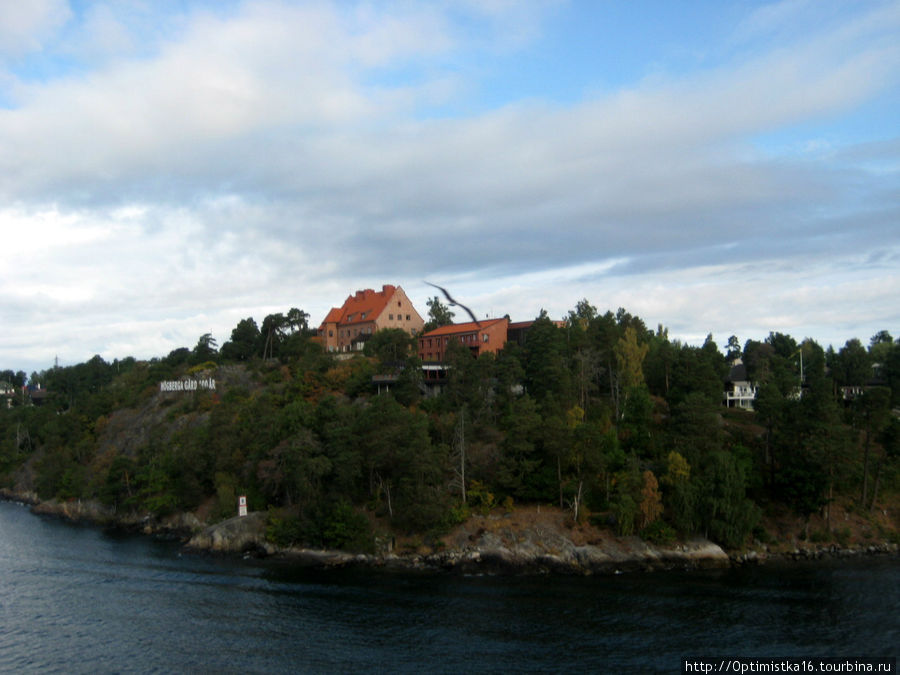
(739, 392)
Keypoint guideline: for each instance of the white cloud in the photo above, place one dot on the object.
(27, 26)
(272, 155)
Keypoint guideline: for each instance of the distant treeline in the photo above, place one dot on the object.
(601, 416)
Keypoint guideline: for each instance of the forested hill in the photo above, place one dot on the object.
(601, 417)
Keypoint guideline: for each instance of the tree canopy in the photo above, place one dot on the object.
(598, 415)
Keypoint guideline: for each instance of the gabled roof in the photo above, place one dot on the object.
(362, 306)
(456, 328)
(333, 316)
(738, 372)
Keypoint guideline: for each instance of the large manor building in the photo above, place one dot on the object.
(346, 328)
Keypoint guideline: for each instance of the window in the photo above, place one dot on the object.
(390, 317)
(484, 337)
(407, 317)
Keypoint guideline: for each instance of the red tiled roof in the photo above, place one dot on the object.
(454, 328)
(333, 316)
(366, 302)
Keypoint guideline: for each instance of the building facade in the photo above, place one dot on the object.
(484, 337)
(346, 328)
(739, 392)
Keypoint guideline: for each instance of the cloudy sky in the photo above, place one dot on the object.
(169, 168)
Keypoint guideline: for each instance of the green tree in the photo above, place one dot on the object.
(734, 349)
(390, 346)
(521, 427)
(273, 333)
(405, 473)
(769, 406)
(679, 493)
(658, 366)
(439, 314)
(297, 320)
(206, 349)
(871, 414)
(880, 347)
(630, 359)
(546, 367)
(626, 498)
(244, 340)
(889, 439)
(725, 513)
(853, 366)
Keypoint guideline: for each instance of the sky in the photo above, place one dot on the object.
(170, 168)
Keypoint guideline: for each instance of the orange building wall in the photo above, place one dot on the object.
(400, 313)
(367, 311)
(489, 337)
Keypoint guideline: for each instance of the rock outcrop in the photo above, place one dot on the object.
(526, 542)
(235, 535)
(529, 549)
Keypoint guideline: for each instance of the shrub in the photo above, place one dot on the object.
(481, 499)
(283, 528)
(199, 368)
(343, 528)
(658, 532)
(819, 536)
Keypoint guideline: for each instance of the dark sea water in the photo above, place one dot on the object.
(74, 599)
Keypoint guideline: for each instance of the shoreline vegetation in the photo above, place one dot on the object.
(588, 445)
(496, 543)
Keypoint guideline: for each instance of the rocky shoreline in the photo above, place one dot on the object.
(546, 552)
(489, 545)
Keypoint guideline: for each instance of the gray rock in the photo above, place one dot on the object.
(234, 535)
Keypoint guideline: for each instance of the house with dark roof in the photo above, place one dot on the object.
(346, 328)
(739, 391)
